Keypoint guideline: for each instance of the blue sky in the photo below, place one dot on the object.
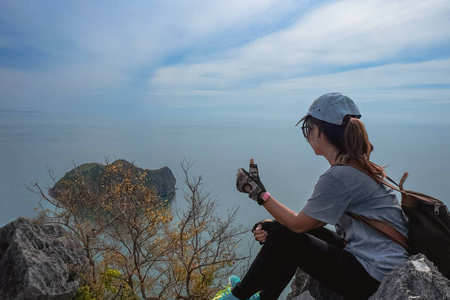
(224, 58)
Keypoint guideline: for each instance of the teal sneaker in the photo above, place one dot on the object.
(225, 294)
(255, 297)
(234, 281)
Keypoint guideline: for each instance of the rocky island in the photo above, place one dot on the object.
(94, 176)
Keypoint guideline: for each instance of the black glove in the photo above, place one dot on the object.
(251, 180)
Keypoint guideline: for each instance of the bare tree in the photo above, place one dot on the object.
(205, 246)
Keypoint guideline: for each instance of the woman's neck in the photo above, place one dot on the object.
(331, 154)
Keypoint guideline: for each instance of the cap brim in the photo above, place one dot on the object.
(301, 120)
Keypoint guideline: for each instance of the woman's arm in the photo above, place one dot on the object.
(296, 222)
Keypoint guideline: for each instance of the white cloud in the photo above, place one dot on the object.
(97, 45)
(428, 82)
(387, 76)
(412, 81)
(190, 52)
(88, 48)
(339, 35)
(143, 33)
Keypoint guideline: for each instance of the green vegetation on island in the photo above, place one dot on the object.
(96, 177)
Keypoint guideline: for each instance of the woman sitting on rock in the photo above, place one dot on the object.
(351, 261)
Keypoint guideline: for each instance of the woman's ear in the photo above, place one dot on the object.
(315, 132)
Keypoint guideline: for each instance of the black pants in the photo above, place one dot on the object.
(319, 253)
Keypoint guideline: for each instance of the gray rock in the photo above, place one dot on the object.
(304, 296)
(304, 287)
(38, 261)
(417, 279)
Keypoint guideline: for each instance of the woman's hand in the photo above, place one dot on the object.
(249, 182)
(260, 234)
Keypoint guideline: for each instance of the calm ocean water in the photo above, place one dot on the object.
(288, 167)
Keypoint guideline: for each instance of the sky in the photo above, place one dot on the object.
(225, 59)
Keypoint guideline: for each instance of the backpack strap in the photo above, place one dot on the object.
(400, 185)
(383, 228)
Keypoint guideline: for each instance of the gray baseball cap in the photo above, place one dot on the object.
(332, 108)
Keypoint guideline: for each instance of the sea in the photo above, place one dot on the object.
(31, 144)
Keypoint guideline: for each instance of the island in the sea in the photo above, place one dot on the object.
(161, 181)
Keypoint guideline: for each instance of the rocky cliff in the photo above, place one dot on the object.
(38, 261)
(417, 279)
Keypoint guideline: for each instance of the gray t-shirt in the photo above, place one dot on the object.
(343, 188)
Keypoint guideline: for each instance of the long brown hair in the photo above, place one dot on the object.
(352, 140)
